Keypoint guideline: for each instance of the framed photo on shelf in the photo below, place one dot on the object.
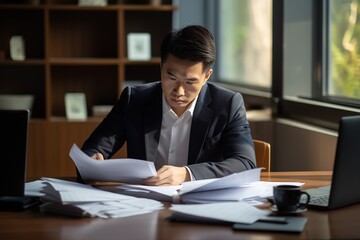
(139, 46)
(92, 2)
(75, 106)
(17, 48)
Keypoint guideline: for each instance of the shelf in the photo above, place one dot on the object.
(83, 8)
(29, 25)
(83, 34)
(84, 61)
(157, 29)
(99, 83)
(25, 79)
(22, 6)
(75, 7)
(60, 119)
(145, 7)
(25, 62)
(69, 49)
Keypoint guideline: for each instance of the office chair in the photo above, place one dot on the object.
(262, 153)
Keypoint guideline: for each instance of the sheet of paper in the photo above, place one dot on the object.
(33, 189)
(249, 192)
(230, 181)
(111, 170)
(225, 211)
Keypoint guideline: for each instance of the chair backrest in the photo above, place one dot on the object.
(263, 154)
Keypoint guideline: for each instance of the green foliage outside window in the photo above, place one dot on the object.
(345, 48)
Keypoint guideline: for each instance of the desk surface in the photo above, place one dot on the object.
(31, 224)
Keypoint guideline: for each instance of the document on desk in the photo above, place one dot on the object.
(111, 170)
(228, 212)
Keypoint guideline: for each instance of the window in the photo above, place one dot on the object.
(319, 75)
(306, 54)
(245, 42)
(343, 48)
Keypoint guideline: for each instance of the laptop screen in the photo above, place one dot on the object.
(347, 164)
(13, 150)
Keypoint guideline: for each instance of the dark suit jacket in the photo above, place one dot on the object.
(220, 138)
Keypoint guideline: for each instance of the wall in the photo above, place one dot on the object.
(302, 147)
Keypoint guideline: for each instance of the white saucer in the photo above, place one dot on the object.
(300, 210)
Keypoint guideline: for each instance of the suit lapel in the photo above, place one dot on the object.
(200, 124)
(152, 125)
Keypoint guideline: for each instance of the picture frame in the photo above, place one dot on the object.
(17, 48)
(92, 3)
(139, 46)
(75, 106)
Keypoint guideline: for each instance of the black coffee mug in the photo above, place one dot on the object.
(287, 198)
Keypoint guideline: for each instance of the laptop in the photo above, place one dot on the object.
(13, 149)
(346, 171)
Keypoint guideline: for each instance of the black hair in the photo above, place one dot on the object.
(194, 43)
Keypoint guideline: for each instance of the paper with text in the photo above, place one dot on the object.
(111, 170)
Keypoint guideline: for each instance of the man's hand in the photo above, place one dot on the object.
(168, 175)
(97, 156)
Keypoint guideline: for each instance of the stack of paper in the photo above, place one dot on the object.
(244, 186)
(71, 198)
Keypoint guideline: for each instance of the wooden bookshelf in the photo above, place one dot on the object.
(71, 48)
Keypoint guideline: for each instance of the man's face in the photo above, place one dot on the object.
(181, 82)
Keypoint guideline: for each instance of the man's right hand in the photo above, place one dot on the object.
(97, 156)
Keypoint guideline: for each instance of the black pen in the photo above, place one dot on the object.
(273, 219)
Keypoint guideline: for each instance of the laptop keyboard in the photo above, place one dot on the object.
(319, 196)
(320, 200)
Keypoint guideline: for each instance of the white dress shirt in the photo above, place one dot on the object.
(173, 147)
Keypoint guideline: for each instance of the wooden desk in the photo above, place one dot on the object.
(341, 224)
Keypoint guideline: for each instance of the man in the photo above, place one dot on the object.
(189, 128)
